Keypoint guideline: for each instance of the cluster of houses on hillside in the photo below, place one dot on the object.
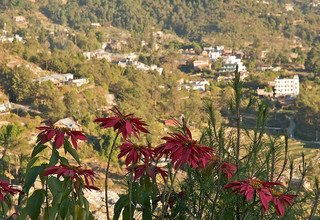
(200, 86)
(123, 60)
(282, 87)
(132, 61)
(9, 39)
(229, 59)
(6, 38)
(99, 55)
(63, 79)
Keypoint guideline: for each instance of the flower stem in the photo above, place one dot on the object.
(165, 202)
(107, 174)
(130, 195)
(47, 199)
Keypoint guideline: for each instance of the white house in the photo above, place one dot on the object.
(287, 86)
(138, 65)
(230, 64)
(122, 63)
(18, 38)
(199, 85)
(214, 52)
(5, 106)
(219, 48)
(98, 54)
(214, 55)
(20, 19)
(65, 77)
(141, 66)
(96, 24)
(80, 82)
(56, 78)
(195, 85)
(88, 55)
(67, 123)
(6, 39)
(156, 68)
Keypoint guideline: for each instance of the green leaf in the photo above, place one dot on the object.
(54, 185)
(68, 148)
(31, 177)
(38, 149)
(122, 202)
(126, 213)
(64, 161)
(34, 203)
(67, 188)
(31, 162)
(54, 157)
(64, 208)
(72, 210)
(146, 206)
(79, 213)
(50, 213)
(86, 207)
(90, 216)
(4, 207)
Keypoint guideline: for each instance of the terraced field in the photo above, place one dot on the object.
(296, 148)
(312, 156)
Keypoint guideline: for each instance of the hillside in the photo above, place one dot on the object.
(193, 19)
(219, 84)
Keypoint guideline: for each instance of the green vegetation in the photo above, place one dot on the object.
(56, 33)
(18, 83)
(308, 118)
(313, 59)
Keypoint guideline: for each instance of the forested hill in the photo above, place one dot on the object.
(193, 19)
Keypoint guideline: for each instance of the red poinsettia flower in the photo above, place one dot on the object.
(59, 134)
(134, 153)
(124, 124)
(228, 168)
(281, 201)
(250, 187)
(76, 174)
(150, 170)
(182, 149)
(6, 188)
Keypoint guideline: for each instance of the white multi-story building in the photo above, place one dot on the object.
(287, 86)
(233, 61)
